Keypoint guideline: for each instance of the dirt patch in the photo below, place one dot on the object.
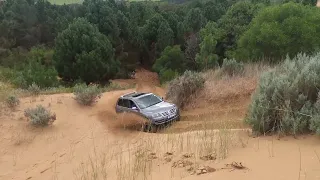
(124, 82)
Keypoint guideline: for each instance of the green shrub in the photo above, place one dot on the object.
(35, 67)
(87, 95)
(40, 116)
(37, 73)
(167, 75)
(170, 64)
(231, 67)
(287, 98)
(42, 55)
(182, 88)
(14, 57)
(12, 101)
(34, 89)
(7, 74)
(171, 58)
(207, 57)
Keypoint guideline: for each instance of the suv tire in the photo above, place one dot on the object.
(150, 128)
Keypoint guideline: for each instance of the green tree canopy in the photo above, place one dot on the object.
(82, 52)
(194, 20)
(280, 30)
(171, 58)
(234, 23)
(100, 13)
(17, 26)
(207, 57)
(164, 36)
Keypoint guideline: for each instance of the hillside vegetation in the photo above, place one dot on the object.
(287, 99)
(49, 46)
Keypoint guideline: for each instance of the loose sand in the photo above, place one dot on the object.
(96, 143)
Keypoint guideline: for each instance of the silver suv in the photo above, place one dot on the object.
(149, 106)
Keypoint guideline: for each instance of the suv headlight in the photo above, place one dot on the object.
(156, 115)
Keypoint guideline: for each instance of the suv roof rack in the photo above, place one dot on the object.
(133, 94)
(138, 94)
(128, 94)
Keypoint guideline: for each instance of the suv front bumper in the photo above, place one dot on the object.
(166, 120)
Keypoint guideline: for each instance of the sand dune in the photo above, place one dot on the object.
(96, 143)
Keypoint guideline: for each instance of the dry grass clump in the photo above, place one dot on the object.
(181, 89)
(34, 89)
(231, 67)
(137, 159)
(40, 116)
(248, 70)
(22, 136)
(5, 88)
(223, 88)
(12, 101)
(230, 89)
(87, 94)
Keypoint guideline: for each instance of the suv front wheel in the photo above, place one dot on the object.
(149, 127)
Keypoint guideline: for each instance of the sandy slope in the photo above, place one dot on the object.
(95, 143)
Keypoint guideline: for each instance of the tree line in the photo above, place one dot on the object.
(103, 39)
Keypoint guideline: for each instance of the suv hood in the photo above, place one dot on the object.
(160, 107)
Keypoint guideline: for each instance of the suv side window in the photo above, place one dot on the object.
(126, 103)
(132, 104)
(122, 102)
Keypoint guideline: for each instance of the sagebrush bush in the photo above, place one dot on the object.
(182, 88)
(287, 98)
(40, 116)
(34, 89)
(87, 94)
(12, 101)
(231, 67)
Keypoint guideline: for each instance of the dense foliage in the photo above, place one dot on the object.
(103, 39)
(287, 99)
(170, 63)
(81, 51)
(280, 30)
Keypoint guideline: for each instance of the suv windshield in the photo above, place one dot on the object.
(147, 101)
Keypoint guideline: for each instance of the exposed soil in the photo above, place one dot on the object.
(96, 143)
